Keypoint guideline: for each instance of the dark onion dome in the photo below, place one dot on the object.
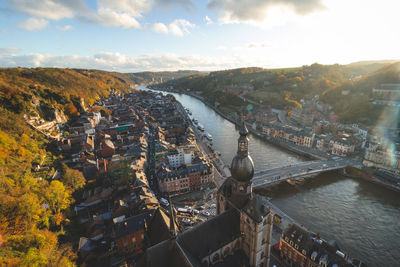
(242, 166)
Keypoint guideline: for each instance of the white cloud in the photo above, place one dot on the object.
(134, 8)
(65, 28)
(33, 24)
(109, 13)
(160, 27)
(258, 11)
(111, 18)
(178, 27)
(208, 20)
(123, 63)
(49, 9)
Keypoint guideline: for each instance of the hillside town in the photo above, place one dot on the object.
(138, 154)
(138, 150)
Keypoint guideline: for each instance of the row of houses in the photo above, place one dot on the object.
(190, 177)
(380, 157)
(342, 145)
(290, 134)
(180, 166)
(258, 115)
(120, 220)
(300, 247)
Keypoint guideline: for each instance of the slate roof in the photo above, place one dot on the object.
(166, 254)
(207, 237)
(257, 207)
(309, 242)
(159, 227)
(132, 224)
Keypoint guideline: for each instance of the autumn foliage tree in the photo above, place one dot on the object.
(71, 178)
(71, 110)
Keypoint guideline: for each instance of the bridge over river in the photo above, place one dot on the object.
(303, 169)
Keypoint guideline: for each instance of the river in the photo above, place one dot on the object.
(362, 217)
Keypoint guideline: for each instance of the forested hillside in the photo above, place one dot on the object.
(283, 88)
(34, 225)
(357, 104)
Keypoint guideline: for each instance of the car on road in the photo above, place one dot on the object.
(164, 202)
(195, 211)
(206, 213)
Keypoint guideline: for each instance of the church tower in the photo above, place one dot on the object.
(242, 169)
(255, 214)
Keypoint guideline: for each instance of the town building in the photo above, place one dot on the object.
(181, 156)
(299, 247)
(379, 157)
(342, 147)
(302, 116)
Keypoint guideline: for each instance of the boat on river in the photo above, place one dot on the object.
(200, 127)
(208, 136)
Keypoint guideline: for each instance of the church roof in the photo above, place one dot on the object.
(166, 254)
(257, 207)
(159, 227)
(207, 237)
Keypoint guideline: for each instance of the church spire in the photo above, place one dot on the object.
(243, 141)
(242, 167)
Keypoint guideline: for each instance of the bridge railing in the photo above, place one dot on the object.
(260, 181)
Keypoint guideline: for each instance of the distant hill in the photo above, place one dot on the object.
(356, 105)
(370, 62)
(273, 86)
(162, 76)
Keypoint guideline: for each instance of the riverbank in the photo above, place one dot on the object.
(289, 147)
(353, 172)
(301, 151)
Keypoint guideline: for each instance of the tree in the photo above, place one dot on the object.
(58, 199)
(71, 110)
(71, 178)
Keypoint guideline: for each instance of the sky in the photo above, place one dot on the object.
(206, 35)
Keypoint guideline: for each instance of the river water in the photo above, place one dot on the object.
(362, 217)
